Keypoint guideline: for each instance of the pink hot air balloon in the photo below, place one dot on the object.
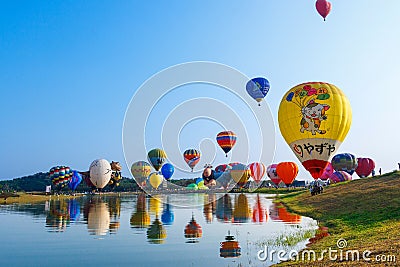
(328, 171)
(271, 172)
(365, 167)
(323, 7)
(340, 176)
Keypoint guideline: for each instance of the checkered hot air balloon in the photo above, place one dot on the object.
(226, 140)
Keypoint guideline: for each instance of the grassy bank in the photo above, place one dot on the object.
(365, 212)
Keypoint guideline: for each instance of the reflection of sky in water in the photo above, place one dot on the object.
(110, 230)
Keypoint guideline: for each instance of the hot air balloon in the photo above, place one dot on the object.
(60, 175)
(222, 168)
(226, 140)
(323, 8)
(155, 180)
(344, 162)
(257, 171)
(100, 173)
(240, 174)
(157, 158)
(192, 157)
(327, 172)
(167, 170)
(314, 119)
(365, 167)
(287, 171)
(76, 179)
(340, 176)
(140, 171)
(271, 172)
(257, 88)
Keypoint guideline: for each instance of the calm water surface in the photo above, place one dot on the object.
(137, 230)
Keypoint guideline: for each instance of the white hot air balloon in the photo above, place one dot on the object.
(100, 172)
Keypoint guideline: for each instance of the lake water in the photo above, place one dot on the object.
(135, 230)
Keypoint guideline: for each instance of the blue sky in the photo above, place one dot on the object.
(68, 69)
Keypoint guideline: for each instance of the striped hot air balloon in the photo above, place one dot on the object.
(226, 140)
(257, 171)
(192, 157)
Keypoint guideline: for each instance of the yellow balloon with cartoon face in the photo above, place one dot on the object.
(314, 118)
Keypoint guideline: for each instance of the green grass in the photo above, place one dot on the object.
(365, 212)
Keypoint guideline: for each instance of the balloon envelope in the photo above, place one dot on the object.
(157, 158)
(314, 118)
(226, 140)
(287, 171)
(344, 162)
(257, 88)
(327, 172)
(191, 157)
(271, 172)
(167, 170)
(240, 174)
(323, 7)
(257, 171)
(60, 175)
(155, 180)
(365, 167)
(340, 176)
(76, 179)
(140, 171)
(100, 172)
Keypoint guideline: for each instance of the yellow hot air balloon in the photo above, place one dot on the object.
(155, 180)
(314, 118)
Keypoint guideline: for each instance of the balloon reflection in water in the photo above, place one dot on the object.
(259, 214)
(224, 209)
(59, 217)
(193, 231)
(278, 212)
(98, 218)
(156, 233)
(74, 209)
(114, 205)
(141, 218)
(229, 248)
(167, 216)
(209, 207)
(242, 211)
(155, 205)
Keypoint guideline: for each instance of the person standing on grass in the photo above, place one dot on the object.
(380, 171)
(399, 165)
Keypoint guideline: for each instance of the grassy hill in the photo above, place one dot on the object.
(365, 212)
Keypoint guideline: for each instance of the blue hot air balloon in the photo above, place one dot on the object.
(76, 179)
(257, 88)
(167, 170)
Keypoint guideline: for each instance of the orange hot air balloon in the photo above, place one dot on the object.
(287, 171)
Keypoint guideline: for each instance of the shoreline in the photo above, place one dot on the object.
(364, 212)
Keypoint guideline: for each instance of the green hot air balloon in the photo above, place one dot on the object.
(157, 158)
